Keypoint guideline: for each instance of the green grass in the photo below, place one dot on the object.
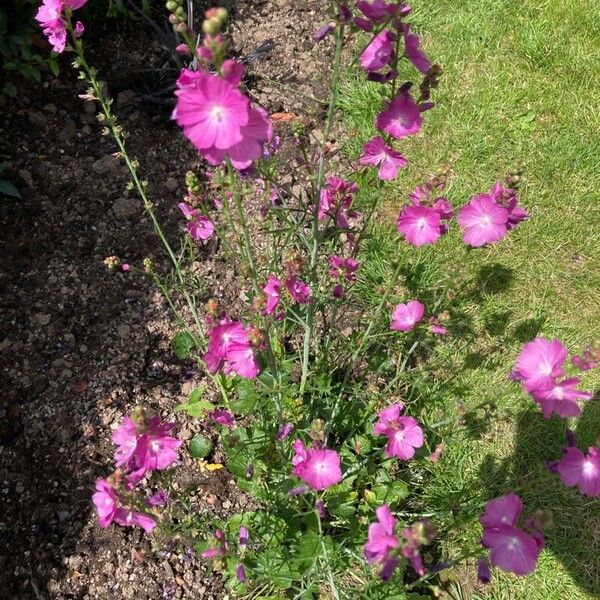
(521, 81)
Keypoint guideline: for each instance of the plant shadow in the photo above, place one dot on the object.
(573, 537)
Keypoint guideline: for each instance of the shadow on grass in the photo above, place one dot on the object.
(574, 537)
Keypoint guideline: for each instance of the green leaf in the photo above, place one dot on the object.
(247, 397)
(8, 189)
(10, 89)
(195, 406)
(53, 64)
(390, 493)
(200, 446)
(183, 343)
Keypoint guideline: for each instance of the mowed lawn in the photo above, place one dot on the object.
(521, 81)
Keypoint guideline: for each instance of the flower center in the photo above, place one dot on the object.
(399, 435)
(589, 468)
(485, 220)
(217, 113)
(513, 544)
(421, 223)
(108, 501)
(155, 445)
(545, 368)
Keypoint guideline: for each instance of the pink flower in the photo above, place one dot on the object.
(126, 440)
(402, 116)
(223, 417)
(255, 134)
(511, 549)
(335, 201)
(561, 398)
(415, 536)
(380, 51)
(539, 363)
(412, 50)
(343, 267)
(583, 471)
(483, 221)
(406, 316)
(229, 349)
(508, 199)
(199, 226)
(241, 360)
(298, 290)
(377, 11)
(382, 539)
(211, 111)
(504, 510)
(156, 448)
(49, 16)
(159, 498)
(420, 225)
(320, 468)
(272, 291)
(404, 433)
(220, 548)
(589, 359)
(218, 119)
(377, 153)
(107, 505)
(182, 49)
(105, 499)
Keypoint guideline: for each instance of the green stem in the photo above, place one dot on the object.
(310, 313)
(334, 591)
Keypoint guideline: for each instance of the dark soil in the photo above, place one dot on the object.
(80, 345)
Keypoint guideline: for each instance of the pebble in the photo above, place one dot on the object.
(126, 208)
(43, 319)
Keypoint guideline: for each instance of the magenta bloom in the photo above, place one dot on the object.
(218, 119)
(420, 225)
(377, 153)
(380, 52)
(159, 498)
(211, 111)
(483, 221)
(229, 349)
(589, 359)
(223, 417)
(540, 362)
(335, 201)
(255, 134)
(412, 50)
(49, 16)
(583, 471)
(320, 468)
(377, 11)
(343, 267)
(241, 360)
(404, 433)
(156, 448)
(126, 439)
(382, 539)
(298, 290)
(561, 398)
(272, 291)
(106, 501)
(512, 549)
(508, 199)
(401, 118)
(199, 226)
(406, 316)
(504, 510)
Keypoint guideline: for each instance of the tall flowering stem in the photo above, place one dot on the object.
(314, 252)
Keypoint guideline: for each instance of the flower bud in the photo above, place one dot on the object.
(181, 27)
(172, 6)
(211, 26)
